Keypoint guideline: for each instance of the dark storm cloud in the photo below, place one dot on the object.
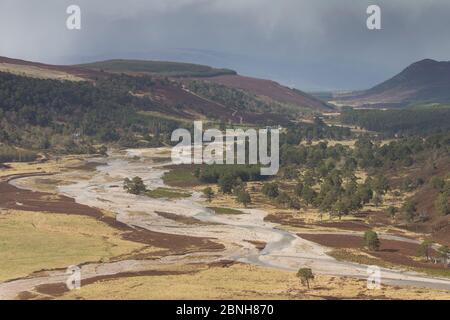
(310, 44)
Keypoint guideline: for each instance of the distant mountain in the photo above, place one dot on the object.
(423, 82)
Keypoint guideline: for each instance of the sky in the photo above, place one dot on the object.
(313, 45)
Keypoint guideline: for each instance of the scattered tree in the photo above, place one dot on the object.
(441, 204)
(380, 184)
(437, 183)
(134, 186)
(306, 275)
(392, 211)
(341, 207)
(290, 173)
(270, 190)
(243, 197)
(103, 150)
(444, 253)
(209, 193)
(298, 190)
(377, 200)
(309, 195)
(409, 209)
(226, 183)
(371, 240)
(425, 249)
(365, 193)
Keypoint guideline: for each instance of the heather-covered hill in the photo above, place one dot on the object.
(423, 82)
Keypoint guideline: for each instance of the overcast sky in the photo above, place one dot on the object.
(309, 44)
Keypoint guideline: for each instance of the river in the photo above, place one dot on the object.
(284, 250)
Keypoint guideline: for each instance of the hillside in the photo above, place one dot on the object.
(266, 90)
(162, 68)
(45, 71)
(424, 82)
(271, 90)
(70, 109)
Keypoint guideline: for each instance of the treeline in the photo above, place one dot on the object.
(403, 122)
(317, 130)
(366, 153)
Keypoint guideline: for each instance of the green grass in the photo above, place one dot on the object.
(219, 210)
(182, 177)
(33, 241)
(167, 193)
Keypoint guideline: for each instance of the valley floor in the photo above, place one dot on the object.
(75, 212)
